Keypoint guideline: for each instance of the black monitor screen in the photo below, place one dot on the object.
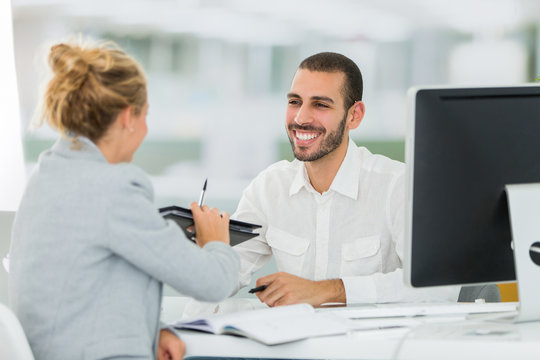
(463, 147)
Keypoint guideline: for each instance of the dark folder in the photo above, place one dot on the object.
(239, 231)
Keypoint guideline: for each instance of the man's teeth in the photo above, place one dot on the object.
(306, 136)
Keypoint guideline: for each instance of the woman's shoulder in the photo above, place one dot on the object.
(128, 177)
(74, 168)
(112, 180)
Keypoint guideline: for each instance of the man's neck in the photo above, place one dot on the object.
(323, 171)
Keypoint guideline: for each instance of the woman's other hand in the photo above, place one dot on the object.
(210, 224)
(170, 346)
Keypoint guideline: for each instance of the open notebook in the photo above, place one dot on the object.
(272, 326)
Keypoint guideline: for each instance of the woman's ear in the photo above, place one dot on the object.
(125, 118)
(356, 114)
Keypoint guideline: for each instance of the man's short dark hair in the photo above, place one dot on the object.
(333, 62)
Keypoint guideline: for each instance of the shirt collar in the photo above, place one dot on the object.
(81, 148)
(301, 179)
(347, 178)
(345, 182)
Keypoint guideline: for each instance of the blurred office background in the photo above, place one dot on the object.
(219, 71)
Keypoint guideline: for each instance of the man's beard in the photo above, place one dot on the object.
(329, 144)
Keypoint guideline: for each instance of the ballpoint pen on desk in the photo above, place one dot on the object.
(201, 199)
(257, 289)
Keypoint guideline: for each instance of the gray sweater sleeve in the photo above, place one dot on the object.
(137, 232)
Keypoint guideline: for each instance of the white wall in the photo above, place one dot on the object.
(12, 177)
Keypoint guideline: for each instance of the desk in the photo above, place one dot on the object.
(473, 340)
(350, 346)
(456, 340)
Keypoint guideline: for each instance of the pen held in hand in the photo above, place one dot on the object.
(257, 289)
(191, 228)
(203, 191)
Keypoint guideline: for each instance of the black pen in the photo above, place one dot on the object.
(201, 199)
(257, 289)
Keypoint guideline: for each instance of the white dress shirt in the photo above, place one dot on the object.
(354, 231)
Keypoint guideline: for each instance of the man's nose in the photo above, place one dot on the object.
(302, 116)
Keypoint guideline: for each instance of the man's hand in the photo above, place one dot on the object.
(285, 289)
(170, 346)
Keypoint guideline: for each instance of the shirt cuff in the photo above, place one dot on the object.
(359, 289)
(169, 327)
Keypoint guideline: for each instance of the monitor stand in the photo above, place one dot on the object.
(524, 208)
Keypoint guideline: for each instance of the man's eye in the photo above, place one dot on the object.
(293, 102)
(321, 105)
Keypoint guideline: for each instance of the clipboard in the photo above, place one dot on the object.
(239, 231)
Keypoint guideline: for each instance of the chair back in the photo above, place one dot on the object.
(13, 342)
(6, 222)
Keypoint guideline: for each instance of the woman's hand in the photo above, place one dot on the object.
(170, 346)
(210, 225)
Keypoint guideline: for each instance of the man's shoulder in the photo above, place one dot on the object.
(378, 163)
(277, 176)
(282, 168)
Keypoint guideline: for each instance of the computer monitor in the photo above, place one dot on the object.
(463, 147)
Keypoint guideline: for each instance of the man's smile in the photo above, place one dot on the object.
(305, 136)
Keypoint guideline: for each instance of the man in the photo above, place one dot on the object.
(333, 218)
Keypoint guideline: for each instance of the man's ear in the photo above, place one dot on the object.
(356, 114)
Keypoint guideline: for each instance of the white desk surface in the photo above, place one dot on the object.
(455, 340)
(348, 346)
(473, 340)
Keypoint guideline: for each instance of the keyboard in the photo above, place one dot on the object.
(371, 311)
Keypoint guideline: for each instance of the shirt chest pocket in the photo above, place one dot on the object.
(289, 250)
(361, 256)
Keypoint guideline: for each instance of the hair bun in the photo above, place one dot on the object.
(68, 63)
(91, 84)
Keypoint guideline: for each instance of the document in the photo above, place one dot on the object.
(272, 326)
(239, 231)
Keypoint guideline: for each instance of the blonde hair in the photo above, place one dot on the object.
(90, 86)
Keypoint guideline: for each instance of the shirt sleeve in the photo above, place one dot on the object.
(391, 286)
(256, 252)
(137, 233)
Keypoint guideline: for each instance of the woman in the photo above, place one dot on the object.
(89, 250)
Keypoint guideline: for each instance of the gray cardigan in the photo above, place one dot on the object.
(90, 253)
